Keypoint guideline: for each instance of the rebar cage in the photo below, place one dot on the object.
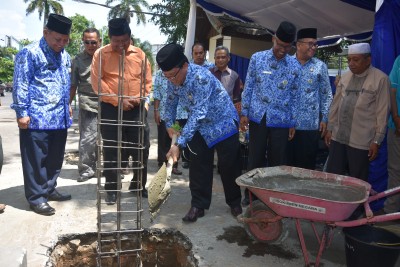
(119, 226)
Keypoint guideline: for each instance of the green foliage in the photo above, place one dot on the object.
(146, 47)
(173, 21)
(25, 42)
(123, 10)
(44, 7)
(105, 37)
(79, 24)
(6, 69)
(176, 127)
(7, 63)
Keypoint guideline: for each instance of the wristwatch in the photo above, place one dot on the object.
(377, 142)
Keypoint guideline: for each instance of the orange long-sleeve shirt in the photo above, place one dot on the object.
(110, 61)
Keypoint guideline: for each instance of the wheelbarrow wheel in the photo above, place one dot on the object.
(271, 233)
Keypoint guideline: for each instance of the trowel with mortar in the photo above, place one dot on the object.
(159, 188)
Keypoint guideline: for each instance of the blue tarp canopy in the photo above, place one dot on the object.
(334, 19)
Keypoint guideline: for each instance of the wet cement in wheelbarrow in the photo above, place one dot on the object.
(317, 188)
(238, 235)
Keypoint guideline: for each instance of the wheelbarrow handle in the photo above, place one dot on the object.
(385, 193)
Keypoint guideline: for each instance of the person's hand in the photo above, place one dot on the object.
(157, 117)
(244, 123)
(171, 132)
(70, 111)
(328, 137)
(291, 133)
(174, 152)
(146, 106)
(322, 128)
(337, 80)
(23, 122)
(373, 151)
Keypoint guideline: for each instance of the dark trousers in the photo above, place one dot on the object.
(185, 153)
(42, 155)
(303, 149)
(201, 170)
(267, 141)
(133, 133)
(164, 144)
(267, 146)
(344, 159)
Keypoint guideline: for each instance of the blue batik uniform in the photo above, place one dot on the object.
(315, 95)
(212, 125)
(160, 92)
(41, 87)
(41, 92)
(269, 102)
(271, 89)
(210, 109)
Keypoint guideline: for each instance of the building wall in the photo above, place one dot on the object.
(238, 46)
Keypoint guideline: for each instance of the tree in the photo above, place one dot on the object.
(174, 23)
(123, 10)
(146, 47)
(79, 24)
(44, 7)
(7, 63)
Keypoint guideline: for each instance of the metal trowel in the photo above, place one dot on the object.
(159, 188)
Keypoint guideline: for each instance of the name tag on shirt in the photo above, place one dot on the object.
(267, 72)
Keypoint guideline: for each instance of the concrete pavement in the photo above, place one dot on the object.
(218, 239)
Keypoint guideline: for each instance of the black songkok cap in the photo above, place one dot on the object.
(118, 26)
(59, 23)
(307, 33)
(170, 56)
(286, 32)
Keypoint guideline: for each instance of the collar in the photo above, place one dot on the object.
(365, 73)
(227, 69)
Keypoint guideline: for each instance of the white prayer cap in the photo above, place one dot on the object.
(360, 48)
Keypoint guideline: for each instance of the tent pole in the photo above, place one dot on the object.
(190, 29)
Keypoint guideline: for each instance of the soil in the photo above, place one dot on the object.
(161, 248)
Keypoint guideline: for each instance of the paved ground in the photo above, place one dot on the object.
(218, 239)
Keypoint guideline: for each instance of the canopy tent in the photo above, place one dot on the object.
(335, 19)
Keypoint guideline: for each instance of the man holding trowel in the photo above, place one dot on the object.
(212, 124)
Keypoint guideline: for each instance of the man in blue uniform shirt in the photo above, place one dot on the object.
(313, 104)
(41, 103)
(212, 124)
(269, 101)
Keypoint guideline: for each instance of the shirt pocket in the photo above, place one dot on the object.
(367, 99)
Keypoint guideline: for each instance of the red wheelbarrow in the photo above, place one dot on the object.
(318, 197)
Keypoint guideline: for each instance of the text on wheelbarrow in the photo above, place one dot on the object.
(297, 205)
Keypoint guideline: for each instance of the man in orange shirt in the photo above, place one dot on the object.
(132, 102)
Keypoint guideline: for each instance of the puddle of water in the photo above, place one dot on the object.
(238, 235)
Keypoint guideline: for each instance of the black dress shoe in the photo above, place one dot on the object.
(111, 198)
(245, 202)
(236, 211)
(43, 209)
(145, 194)
(57, 196)
(193, 214)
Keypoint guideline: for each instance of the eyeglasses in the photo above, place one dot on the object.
(173, 77)
(90, 42)
(310, 44)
